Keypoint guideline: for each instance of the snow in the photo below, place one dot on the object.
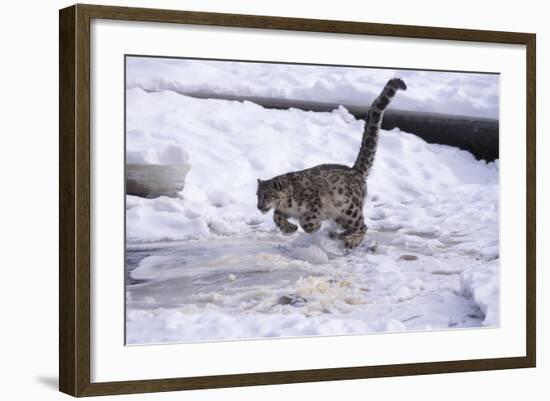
(209, 266)
(438, 92)
(481, 284)
(156, 152)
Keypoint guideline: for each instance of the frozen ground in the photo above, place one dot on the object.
(210, 266)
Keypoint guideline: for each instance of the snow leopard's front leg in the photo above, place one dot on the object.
(310, 222)
(281, 220)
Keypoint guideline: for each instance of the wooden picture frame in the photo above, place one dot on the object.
(75, 200)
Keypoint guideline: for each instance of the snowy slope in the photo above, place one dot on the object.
(210, 266)
(437, 92)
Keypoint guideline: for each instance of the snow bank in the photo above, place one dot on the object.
(482, 285)
(439, 92)
(414, 186)
(155, 151)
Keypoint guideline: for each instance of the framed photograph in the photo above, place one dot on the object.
(249, 200)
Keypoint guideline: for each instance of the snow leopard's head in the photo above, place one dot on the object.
(269, 194)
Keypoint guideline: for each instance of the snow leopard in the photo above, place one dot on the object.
(329, 191)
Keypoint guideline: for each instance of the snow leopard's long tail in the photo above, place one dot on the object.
(373, 123)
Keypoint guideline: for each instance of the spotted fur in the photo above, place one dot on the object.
(329, 191)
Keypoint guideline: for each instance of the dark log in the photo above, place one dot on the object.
(478, 136)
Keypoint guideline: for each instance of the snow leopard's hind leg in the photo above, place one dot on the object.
(354, 229)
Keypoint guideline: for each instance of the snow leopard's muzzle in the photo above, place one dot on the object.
(263, 209)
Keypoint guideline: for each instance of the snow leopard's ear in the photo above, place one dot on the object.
(259, 181)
